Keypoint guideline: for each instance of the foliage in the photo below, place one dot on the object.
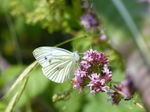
(27, 24)
(47, 13)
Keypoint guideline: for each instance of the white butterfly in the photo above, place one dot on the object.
(57, 63)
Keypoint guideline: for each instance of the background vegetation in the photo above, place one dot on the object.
(28, 24)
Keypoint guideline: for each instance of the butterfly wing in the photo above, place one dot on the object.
(60, 69)
(58, 64)
(44, 54)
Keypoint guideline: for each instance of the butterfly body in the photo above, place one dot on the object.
(57, 63)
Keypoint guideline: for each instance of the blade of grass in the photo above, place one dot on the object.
(134, 30)
(23, 76)
(16, 97)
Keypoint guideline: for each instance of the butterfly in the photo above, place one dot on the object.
(57, 64)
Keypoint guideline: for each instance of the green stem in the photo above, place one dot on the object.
(69, 40)
(125, 96)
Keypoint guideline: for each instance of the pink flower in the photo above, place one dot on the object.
(97, 84)
(103, 37)
(115, 98)
(127, 89)
(90, 22)
(93, 72)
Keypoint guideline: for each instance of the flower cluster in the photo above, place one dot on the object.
(90, 20)
(125, 90)
(93, 72)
